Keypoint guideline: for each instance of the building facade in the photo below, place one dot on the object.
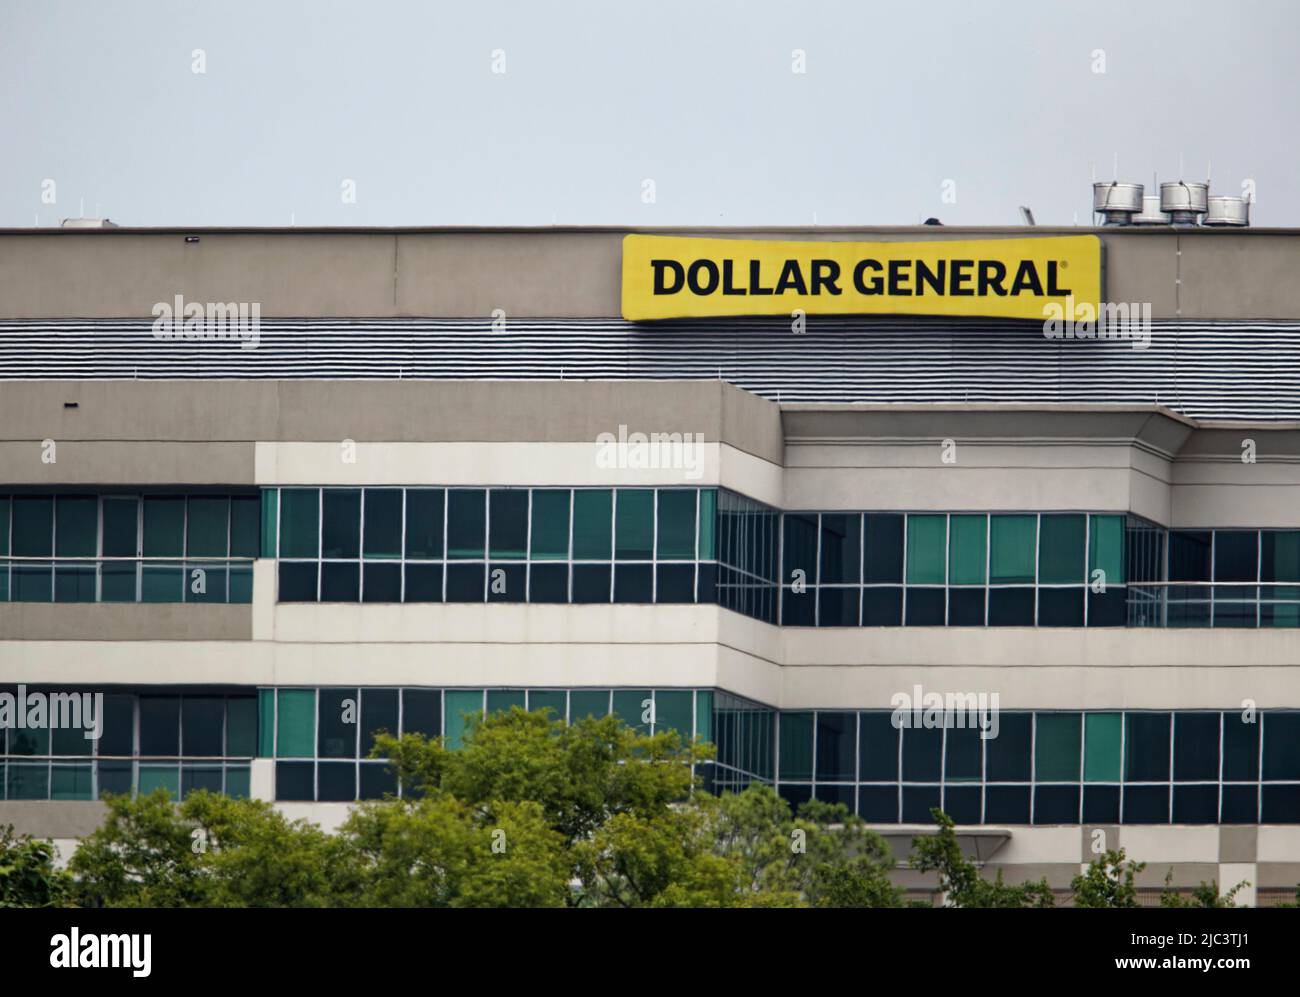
(899, 561)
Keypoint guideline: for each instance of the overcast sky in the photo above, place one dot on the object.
(962, 110)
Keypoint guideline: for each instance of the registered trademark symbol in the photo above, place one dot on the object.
(1064, 264)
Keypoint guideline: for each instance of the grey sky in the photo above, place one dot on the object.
(998, 97)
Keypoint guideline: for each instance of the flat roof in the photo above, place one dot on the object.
(723, 230)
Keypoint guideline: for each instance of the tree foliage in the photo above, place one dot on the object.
(1204, 895)
(28, 874)
(960, 882)
(1107, 882)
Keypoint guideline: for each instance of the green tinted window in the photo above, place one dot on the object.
(424, 515)
(1101, 760)
(33, 526)
(383, 523)
(1107, 548)
(4, 529)
(244, 513)
(704, 715)
(265, 723)
(28, 782)
(796, 746)
(1060, 550)
(237, 781)
(1279, 555)
(634, 524)
(206, 527)
(550, 536)
(676, 539)
(162, 583)
(164, 526)
(548, 699)
(1012, 549)
(466, 522)
(508, 533)
(76, 525)
(967, 550)
(299, 522)
(592, 524)
(673, 710)
(633, 707)
(588, 703)
(166, 777)
(296, 723)
(71, 782)
(504, 700)
(927, 539)
(461, 705)
(341, 523)
(1056, 747)
(241, 727)
(29, 741)
(270, 520)
(708, 523)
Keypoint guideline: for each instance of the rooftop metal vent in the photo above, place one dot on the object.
(1228, 211)
(1116, 202)
(1151, 213)
(1185, 202)
(87, 223)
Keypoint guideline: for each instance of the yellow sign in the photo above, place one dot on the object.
(677, 277)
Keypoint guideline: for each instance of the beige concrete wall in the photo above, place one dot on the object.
(105, 621)
(218, 421)
(52, 818)
(695, 464)
(662, 646)
(126, 463)
(545, 272)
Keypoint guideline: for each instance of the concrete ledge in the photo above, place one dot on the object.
(52, 818)
(104, 621)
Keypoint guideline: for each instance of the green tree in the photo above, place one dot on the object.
(438, 851)
(1204, 895)
(574, 781)
(209, 850)
(826, 856)
(140, 856)
(959, 879)
(664, 860)
(582, 773)
(1107, 882)
(633, 829)
(28, 876)
(253, 856)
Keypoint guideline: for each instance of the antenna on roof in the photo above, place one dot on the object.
(1026, 215)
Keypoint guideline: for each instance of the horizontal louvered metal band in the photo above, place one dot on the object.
(1218, 370)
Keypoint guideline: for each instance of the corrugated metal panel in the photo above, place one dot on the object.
(1206, 370)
